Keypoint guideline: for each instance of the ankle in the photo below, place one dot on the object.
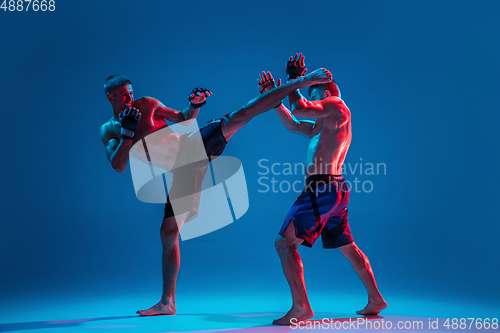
(302, 305)
(376, 299)
(166, 300)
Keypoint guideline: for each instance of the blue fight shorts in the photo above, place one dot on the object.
(321, 209)
(187, 179)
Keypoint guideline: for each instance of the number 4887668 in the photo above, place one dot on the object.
(25, 5)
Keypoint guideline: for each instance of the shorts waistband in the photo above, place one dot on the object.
(314, 181)
(325, 177)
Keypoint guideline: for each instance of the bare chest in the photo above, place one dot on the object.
(149, 123)
(148, 126)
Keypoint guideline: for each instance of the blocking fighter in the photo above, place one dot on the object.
(133, 120)
(321, 209)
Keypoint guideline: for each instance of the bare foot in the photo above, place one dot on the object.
(319, 76)
(373, 307)
(160, 308)
(297, 314)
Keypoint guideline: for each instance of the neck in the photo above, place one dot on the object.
(116, 112)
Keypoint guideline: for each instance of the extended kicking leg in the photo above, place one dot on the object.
(235, 120)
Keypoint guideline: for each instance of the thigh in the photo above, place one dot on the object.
(213, 138)
(337, 232)
(184, 195)
(307, 223)
(233, 122)
(170, 226)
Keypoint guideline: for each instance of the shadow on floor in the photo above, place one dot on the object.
(54, 323)
(259, 322)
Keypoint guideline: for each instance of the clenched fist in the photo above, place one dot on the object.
(198, 97)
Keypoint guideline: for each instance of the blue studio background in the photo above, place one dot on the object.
(420, 78)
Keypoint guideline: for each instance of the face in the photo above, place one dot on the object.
(318, 93)
(121, 97)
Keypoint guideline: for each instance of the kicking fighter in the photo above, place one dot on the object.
(321, 209)
(125, 128)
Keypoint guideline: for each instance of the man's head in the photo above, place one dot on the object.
(321, 91)
(119, 92)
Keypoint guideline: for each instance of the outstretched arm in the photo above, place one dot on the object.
(302, 127)
(197, 98)
(174, 115)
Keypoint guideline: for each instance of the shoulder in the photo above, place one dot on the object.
(337, 106)
(147, 101)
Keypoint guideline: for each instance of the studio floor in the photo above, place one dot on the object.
(231, 312)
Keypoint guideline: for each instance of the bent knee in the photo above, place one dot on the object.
(349, 248)
(169, 235)
(279, 242)
(282, 244)
(351, 251)
(169, 229)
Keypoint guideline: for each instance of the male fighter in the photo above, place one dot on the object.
(125, 128)
(321, 209)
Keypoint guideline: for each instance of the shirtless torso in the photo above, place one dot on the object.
(330, 137)
(163, 151)
(150, 116)
(330, 140)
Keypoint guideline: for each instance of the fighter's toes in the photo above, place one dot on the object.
(159, 309)
(295, 315)
(281, 322)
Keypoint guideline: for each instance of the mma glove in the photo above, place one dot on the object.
(129, 120)
(267, 83)
(198, 92)
(294, 69)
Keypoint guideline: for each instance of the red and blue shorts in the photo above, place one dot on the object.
(321, 209)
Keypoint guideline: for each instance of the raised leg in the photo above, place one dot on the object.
(286, 246)
(171, 261)
(235, 120)
(362, 266)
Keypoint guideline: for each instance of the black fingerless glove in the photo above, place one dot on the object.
(294, 69)
(193, 93)
(129, 126)
(268, 85)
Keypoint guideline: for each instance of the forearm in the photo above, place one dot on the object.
(286, 118)
(120, 156)
(182, 117)
(188, 114)
(294, 98)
